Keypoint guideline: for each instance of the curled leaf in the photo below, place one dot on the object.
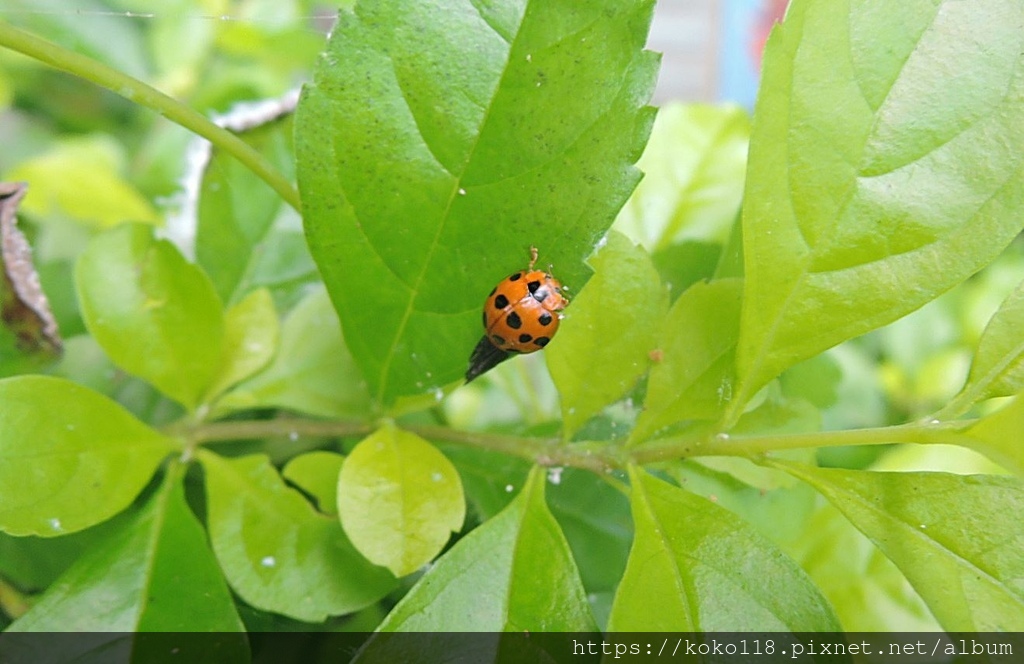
(28, 326)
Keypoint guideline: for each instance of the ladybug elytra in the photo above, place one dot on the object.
(521, 315)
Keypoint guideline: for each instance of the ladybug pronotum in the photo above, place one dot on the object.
(521, 314)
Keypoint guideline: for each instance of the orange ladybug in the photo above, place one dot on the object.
(521, 314)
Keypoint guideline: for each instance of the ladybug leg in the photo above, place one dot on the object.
(533, 257)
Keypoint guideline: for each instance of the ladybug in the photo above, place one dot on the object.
(521, 314)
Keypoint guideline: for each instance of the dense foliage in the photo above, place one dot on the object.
(785, 396)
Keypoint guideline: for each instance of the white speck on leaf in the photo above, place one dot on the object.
(268, 561)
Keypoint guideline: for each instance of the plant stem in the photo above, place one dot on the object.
(597, 456)
(219, 432)
(141, 93)
(756, 445)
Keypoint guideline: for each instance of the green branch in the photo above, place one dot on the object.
(666, 449)
(141, 93)
(597, 456)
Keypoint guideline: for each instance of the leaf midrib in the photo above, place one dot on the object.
(446, 214)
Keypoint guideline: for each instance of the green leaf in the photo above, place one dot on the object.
(399, 499)
(33, 563)
(155, 573)
(156, 315)
(239, 217)
(595, 518)
(80, 179)
(695, 567)
(694, 377)
(693, 176)
(773, 503)
(949, 534)
(424, 181)
(867, 590)
(998, 435)
(603, 345)
(489, 479)
(998, 367)
(684, 264)
(69, 457)
(312, 372)
(816, 380)
(317, 473)
(871, 188)
(276, 551)
(513, 573)
(250, 340)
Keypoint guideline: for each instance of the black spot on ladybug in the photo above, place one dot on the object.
(500, 302)
(533, 286)
(515, 277)
(542, 341)
(498, 340)
(514, 321)
(524, 338)
(544, 319)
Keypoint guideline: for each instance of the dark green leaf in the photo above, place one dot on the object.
(684, 264)
(399, 499)
(312, 372)
(624, 302)
(69, 457)
(277, 552)
(595, 518)
(872, 189)
(695, 566)
(949, 534)
(513, 573)
(156, 315)
(155, 573)
(424, 180)
(317, 473)
(32, 563)
(489, 479)
(240, 218)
